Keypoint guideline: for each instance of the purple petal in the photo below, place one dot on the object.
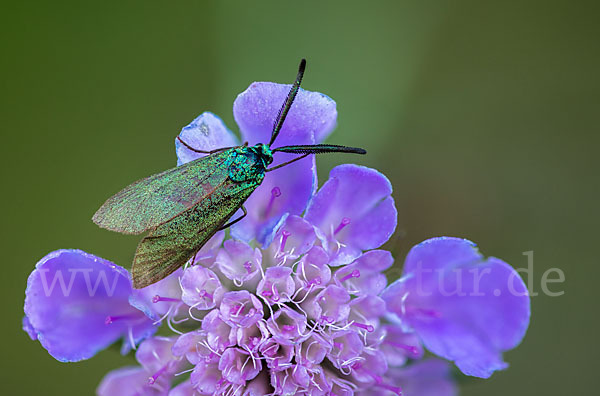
(277, 352)
(312, 115)
(240, 309)
(207, 132)
(339, 387)
(313, 350)
(431, 377)
(354, 211)
(184, 389)
(436, 253)
(370, 369)
(77, 304)
(287, 324)
(313, 269)
(330, 305)
(347, 344)
(281, 383)
(252, 336)
(365, 312)
(294, 237)
(465, 309)
(399, 346)
(300, 376)
(155, 352)
(365, 275)
(239, 262)
(259, 386)
(129, 381)
(205, 378)
(201, 288)
(28, 328)
(158, 298)
(277, 286)
(217, 331)
(192, 346)
(233, 368)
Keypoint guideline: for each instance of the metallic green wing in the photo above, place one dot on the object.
(156, 199)
(173, 243)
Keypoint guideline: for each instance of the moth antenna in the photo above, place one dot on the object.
(319, 149)
(285, 108)
(308, 149)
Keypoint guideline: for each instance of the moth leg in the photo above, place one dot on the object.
(202, 151)
(236, 220)
(287, 163)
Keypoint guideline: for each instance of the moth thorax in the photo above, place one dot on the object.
(246, 165)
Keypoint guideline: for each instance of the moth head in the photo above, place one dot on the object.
(265, 153)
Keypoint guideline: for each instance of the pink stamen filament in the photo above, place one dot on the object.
(396, 389)
(220, 383)
(353, 274)
(284, 236)
(315, 281)
(248, 266)
(345, 221)
(369, 328)
(239, 310)
(208, 358)
(409, 348)
(379, 381)
(271, 351)
(111, 319)
(288, 327)
(271, 293)
(203, 293)
(158, 298)
(275, 192)
(275, 293)
(236, 309)
(153, 379)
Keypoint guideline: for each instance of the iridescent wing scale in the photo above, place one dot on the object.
(173, 243)
(156, 199)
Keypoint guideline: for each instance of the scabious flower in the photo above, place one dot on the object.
(294, 301)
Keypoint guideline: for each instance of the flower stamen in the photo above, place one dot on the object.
(275, 193)
(369, 328)
(158, 298)
(284, 236)
(154, 377)
(345, 221)
(353, 274)
(112, 319)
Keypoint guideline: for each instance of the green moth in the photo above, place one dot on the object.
(183, 207)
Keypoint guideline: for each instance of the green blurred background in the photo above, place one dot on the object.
(484, 115)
